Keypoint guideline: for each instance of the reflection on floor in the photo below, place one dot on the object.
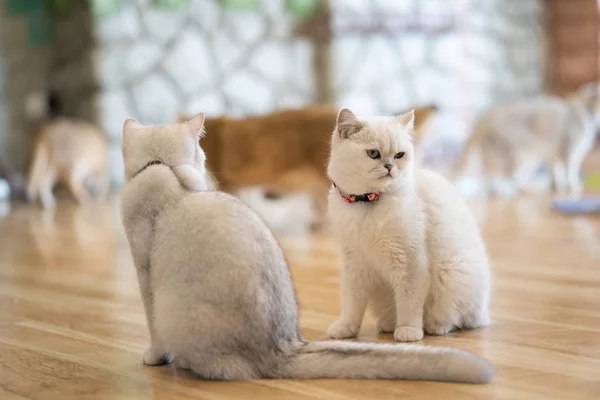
(72, 324)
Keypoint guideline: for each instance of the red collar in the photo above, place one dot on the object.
(356, 198)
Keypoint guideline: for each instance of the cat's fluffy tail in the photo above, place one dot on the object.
(351, 360)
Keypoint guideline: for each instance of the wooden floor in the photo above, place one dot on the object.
(72, 324)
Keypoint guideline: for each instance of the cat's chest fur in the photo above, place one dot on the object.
(393, 223)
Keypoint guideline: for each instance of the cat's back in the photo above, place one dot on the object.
(64, 132)
(425, 177)
(450, 221)
(210, 226)
(71, 141)
(212, 243)
(213, 211)
(522, 114)
(526, 107)
(442, 202)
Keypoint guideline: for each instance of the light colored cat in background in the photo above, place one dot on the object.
(72, 152)
(411, 248)
(511, 141)
(215, 285)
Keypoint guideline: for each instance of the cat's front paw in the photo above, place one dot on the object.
(342, 330)
(408, 334)
(154, 357)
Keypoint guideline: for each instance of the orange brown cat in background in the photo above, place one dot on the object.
(284, 152)
(72, 152)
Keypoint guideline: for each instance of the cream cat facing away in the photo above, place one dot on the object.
(411, 248)
(217, 290)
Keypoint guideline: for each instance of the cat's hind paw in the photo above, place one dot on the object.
(153, 357)
(341, 330)
(408, 334)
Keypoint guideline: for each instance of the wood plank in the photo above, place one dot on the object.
(72, 323)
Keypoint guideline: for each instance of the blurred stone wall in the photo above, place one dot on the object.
(494, 52)
(72, 71)
(151, 63)
(23, 70)
(29, 68)
(154, 63)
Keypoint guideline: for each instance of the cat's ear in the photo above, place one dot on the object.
(131, 124)
(347, 123)
(195, 125)
(407, 120)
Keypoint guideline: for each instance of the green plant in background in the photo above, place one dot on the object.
(55, 8)
(592, 181)
(39, 22)
(41, 14)
(39, 27)
(240, 5)
(102, 8)
(298, 8)
(20, 7)
(302, 8)
(171, 4)
(58, 8)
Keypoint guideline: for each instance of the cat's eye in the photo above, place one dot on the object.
(399, 155)
(374, 154)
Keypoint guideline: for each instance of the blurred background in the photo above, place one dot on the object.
(509, 81)
(102, 61)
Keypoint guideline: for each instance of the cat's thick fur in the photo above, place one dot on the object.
(415, 255)
(72, 152)
(216, 287)
(510, 141)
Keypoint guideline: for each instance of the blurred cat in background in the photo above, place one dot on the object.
(511, 141)
(276, 162)
(68, 151)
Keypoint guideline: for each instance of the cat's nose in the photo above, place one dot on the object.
(388, 167)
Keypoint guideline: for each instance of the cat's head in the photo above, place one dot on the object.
(172, 145)
(371, 155)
